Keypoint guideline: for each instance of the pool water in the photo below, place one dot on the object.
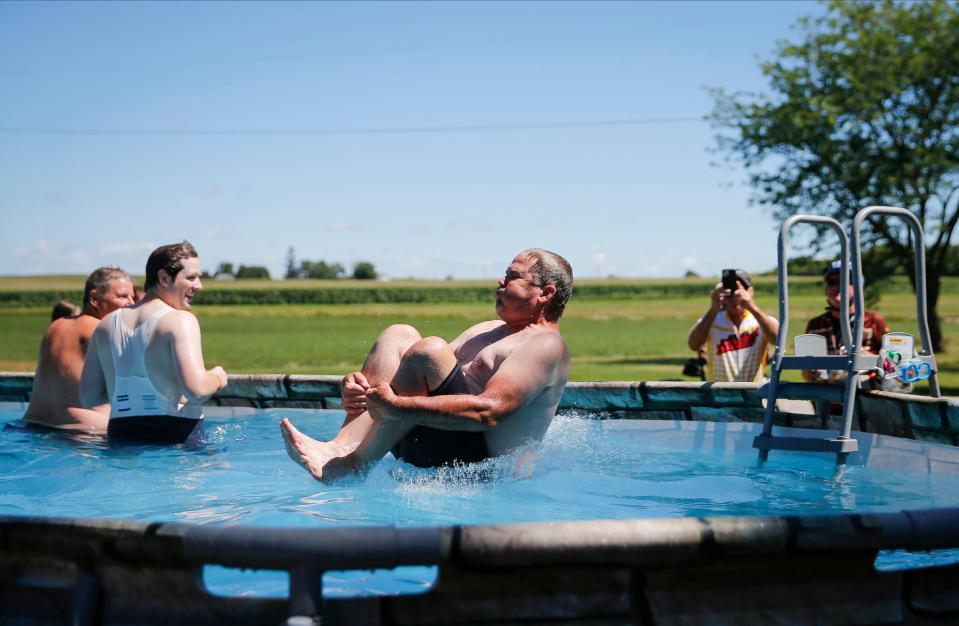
(585, 469)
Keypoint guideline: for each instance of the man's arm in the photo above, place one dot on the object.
(768, 324)
(526, 372)
(700, 332)
(197, 382)
(93, 383)
(879, 329)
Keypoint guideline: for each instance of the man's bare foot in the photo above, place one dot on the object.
(323, 460)
(525, 464)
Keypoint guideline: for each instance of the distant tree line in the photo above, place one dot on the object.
(877, 262)
(362, 270)
(243, 271)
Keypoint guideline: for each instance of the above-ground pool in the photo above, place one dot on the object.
(586, 469)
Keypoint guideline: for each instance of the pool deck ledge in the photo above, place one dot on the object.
(898, 415)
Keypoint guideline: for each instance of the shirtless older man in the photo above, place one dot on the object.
(146, 361)
(55, 401)
(493, 389)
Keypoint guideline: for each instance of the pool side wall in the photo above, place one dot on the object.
(731, 571)
(899, 415)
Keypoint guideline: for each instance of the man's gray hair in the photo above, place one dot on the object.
(99, 281)
(551, 269)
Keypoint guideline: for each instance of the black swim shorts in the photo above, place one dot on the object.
(154, 429)
(432, 447)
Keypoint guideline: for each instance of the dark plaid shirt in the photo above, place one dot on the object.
(873, 328)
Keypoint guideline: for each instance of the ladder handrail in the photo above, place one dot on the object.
(920, 254)
(782, 273)
(783, 334)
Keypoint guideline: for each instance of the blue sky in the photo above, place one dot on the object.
(432, 139)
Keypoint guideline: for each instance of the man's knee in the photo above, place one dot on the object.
(400, 333)
(429, 349)
(397, 339)
(423, 367)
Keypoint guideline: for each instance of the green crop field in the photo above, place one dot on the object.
(638, 338)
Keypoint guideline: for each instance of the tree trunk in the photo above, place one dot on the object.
(933, 282)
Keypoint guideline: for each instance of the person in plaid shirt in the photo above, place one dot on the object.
(827, 325)
(735, 333)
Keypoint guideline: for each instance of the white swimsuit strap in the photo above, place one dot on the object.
(118, 335)
(146, 328)
(128, 347)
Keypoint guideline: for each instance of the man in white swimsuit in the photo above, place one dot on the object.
(55, 401)
(493, 389)
(146, 360)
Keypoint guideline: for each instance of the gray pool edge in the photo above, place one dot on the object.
(805, 569)
(898, 415)
(716, 570)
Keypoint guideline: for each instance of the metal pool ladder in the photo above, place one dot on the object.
(810, 350)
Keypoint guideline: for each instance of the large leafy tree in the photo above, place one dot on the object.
(862, 109)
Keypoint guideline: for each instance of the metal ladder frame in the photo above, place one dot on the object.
(925, 353)
(842, 445)
(853, 362)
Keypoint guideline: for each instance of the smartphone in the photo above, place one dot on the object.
(729, 280)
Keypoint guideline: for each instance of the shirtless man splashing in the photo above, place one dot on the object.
(489, 391)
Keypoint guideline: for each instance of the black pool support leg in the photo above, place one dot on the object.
(306, 596)
(86, 600)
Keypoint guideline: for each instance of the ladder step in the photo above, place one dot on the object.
(835, 445)
(822, 362)
(806, 391)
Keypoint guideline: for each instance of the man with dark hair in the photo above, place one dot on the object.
(491, 390)
(146, 361)
(170, 259)
(55, 401)
(827, 325)
(735, 333)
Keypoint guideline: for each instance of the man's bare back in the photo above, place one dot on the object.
(55, 401)
(428, 401)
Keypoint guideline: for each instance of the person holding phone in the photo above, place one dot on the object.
(734, 332)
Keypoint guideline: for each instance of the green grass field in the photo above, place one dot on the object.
(609, 340)
(75, 282)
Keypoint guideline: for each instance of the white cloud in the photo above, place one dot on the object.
(143, 248)
(214, 190)
(463, 225)
(42, 247)
(45, 256)
(78, 260)
(688, 262)
(601, 262)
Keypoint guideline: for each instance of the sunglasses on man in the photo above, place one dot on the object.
(833, 281)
